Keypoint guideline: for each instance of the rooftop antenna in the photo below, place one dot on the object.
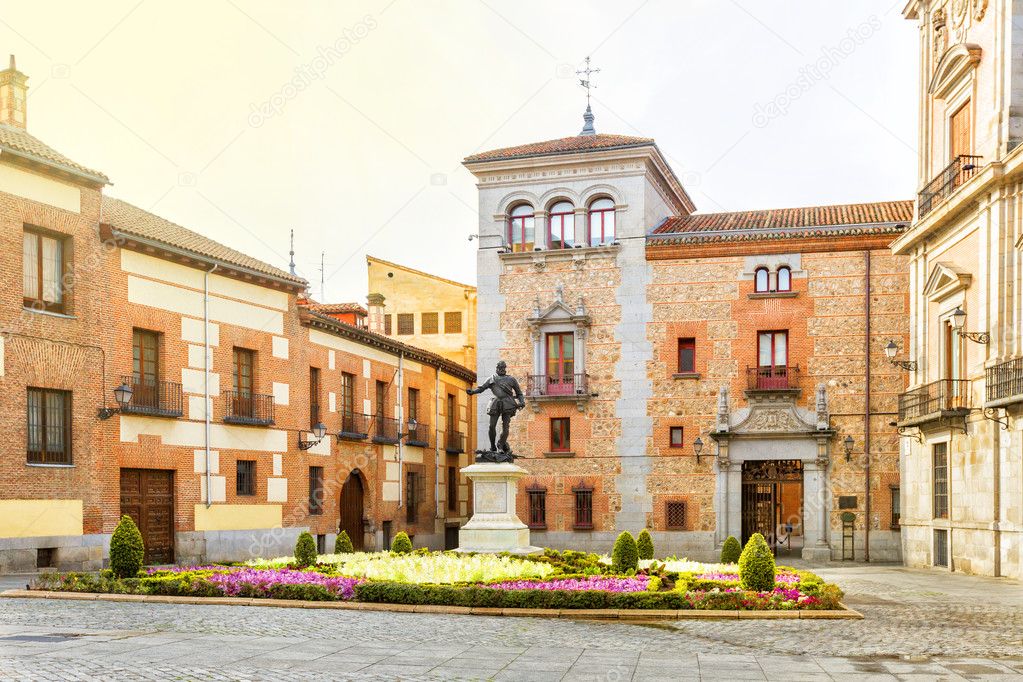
(291, 265)
(322, 269)
(587, 83)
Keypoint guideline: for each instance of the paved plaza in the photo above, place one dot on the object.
(918, 625)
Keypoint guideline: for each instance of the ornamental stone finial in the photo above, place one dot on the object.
(580, 309)
(536, 306)
(722, 421)
(559, 293)
(822, 408)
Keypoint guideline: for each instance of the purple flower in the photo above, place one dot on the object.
(634, 584)
(264, 579)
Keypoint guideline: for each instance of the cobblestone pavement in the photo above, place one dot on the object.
(918, 625)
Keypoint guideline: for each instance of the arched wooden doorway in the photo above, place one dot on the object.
(351, 507)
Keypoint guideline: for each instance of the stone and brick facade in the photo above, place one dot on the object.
(669, 282)
(215, 454)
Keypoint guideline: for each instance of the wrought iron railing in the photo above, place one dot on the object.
(454, 442)
(778, 378)
(153, 398)
(241, 407)
(553, 385)
(418, 436)
(934, 398)
(386, 429)
(1004, 382)
(354, 426)
(951, 177)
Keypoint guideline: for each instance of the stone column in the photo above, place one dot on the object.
(541, 230)
(582, 226)
(816, 505)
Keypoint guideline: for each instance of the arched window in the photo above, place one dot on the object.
(760, 280)
(562, 225)
(784, 278)
(520, 228)
(602, 222)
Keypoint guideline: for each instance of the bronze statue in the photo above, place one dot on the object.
(507, 400)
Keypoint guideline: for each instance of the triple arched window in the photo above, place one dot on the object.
(762, 280)
(561, 226)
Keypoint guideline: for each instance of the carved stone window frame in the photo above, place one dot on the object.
(558, 317)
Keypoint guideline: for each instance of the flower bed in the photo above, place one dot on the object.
(553, 580)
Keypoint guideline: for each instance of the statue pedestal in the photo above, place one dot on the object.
(494, 526)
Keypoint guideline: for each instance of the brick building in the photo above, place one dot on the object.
(215, 454)
(695, 374)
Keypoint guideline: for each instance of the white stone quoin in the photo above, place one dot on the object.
(494, 526)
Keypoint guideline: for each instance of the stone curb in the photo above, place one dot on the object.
(574, 614)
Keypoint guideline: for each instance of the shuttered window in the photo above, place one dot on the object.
(960, 132)
(49, 426)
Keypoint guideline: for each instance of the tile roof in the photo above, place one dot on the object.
(847, 218)
(564, 145)
(19, 142)
(335, 308)
(133, 221)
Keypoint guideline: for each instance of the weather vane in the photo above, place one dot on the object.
(585, 82)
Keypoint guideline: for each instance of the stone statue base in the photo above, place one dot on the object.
(495, 456)
(494, 526)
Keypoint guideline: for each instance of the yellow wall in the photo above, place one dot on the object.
(238, 516)
(39, 518)
(411, 291)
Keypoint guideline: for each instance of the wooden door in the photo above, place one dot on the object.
(960, 142)
(352, 509)
(147, 496)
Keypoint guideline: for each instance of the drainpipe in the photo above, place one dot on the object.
(436, 441)
(866, 415)
(399, 383)
(206, 376)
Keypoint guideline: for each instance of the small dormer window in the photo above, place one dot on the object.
(784, 278)
(520, 228)
(602, 222)
(562, 225)
(761, 279)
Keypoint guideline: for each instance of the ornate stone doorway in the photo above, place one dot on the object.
(772, 503)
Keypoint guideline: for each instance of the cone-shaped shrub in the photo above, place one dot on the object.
(126, 549)
(343, 544)
(756, 565)
(731, 550)
(305, 550)
(625, 555)
(645, 544)
(401, 544)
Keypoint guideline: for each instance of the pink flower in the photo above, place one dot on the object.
(596, 582)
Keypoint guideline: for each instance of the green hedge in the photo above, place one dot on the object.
(343, 544)
(401, 544)
(756, 565)
(305, 550)
(625, 554)
(126, 549)
(448, 595)
(731, 550)
(645, 544)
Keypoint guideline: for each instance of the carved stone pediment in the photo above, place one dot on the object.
(956, 64)
(558, 312)
(945, 279)
(777, 415)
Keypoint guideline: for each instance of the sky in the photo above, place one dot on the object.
(347, 121)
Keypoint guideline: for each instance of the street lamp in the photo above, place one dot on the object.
(891, 350)
(959, 324)
(122, 394)
(411, 426)
(697, 448)
(319, 431)
(848, 444)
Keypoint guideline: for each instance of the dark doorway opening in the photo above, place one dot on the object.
(351, 506)
(772, 504)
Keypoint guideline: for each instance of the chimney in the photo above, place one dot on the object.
(13, 96)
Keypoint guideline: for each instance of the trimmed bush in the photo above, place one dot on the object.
(343, 544)
(401, 544)
(305, 550)
(625, 555)
(756, 565)
(731, 550)
(126, 549)
(645, 545)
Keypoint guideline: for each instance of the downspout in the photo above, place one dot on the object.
(866, 415)
(436, 441)
(399, 383)
(206, 376)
